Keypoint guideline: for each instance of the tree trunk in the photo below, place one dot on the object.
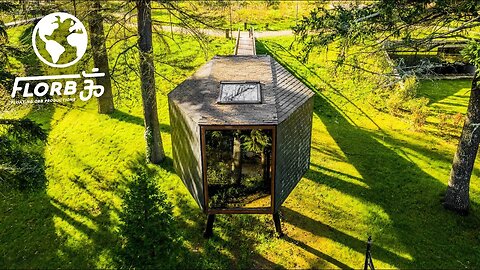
(457, 195)
(100, 57)
(237, 159)
(74, 7)
(266, 153)
(263, 163)
(155, 153)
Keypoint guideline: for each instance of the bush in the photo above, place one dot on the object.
(402, 94)
(410, 87)
(394, 103)
(147, 227)
(443, 119)
(21, 165)
(419, 110)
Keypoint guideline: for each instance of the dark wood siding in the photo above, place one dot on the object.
(187, 152)
(293, 151)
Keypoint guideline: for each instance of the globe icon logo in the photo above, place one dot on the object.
(59, 39)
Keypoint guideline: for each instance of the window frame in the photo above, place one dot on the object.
(256, 101)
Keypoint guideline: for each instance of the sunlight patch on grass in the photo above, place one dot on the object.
(75, 238)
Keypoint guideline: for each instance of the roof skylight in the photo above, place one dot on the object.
(240, 92)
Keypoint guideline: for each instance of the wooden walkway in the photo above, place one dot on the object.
(245, 44)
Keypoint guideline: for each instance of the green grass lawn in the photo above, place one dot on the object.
(370, 174)
(282, 16)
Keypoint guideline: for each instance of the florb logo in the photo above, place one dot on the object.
(62, 36)
(59, 40)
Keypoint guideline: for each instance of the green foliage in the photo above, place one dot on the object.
(7, 7)
(409, 87)
(329, 25)
(147, 224)
(372, 25)
(472, 53)
(256, 141)
(20, 167)
(394, 103)
(6, 49)
(232, 195)
(275, 4)
(419, 112)
(220, 172)
(403, 92)
(24, 130)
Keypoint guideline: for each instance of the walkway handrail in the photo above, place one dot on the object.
(252, 36)
(235, 51)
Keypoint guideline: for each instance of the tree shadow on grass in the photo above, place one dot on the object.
(136, 120)
(125, 117)
(317, 253)
(409, 196)
(78, 233)
(234, 240)
(56, 233)
(279, 52)
(438, 90)
(26, 216)
(167, 164)
(86, 226)
(231, 245)
(28, 237)
(418, 224)
(321, 229)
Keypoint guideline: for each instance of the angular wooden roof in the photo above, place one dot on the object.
(282, 93)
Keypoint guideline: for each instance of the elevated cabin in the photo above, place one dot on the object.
(241, 134)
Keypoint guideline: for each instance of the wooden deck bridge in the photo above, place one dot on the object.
(245, 44)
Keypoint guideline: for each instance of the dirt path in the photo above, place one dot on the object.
(281, 33)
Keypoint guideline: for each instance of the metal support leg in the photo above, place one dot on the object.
(368, 256)
(278, 226)
(209, 228)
